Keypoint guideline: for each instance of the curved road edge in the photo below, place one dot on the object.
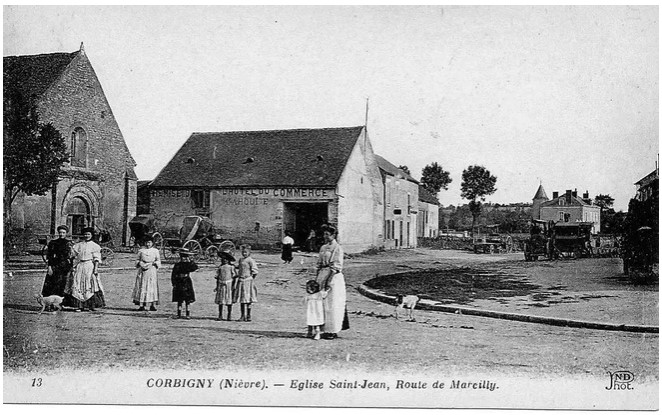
(435, 306)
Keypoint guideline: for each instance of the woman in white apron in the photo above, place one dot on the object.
(330, 277)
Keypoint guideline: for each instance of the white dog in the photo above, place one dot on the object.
(407, 301)
(54, 301)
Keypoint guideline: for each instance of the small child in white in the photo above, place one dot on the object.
(314, 308)
(225, 278)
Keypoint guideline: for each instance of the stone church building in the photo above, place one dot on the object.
(98, 185)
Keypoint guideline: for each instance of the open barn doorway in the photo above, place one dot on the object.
(301, 218)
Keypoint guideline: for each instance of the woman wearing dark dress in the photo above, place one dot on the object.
(59, 263)
(182, 285)
(288, 243)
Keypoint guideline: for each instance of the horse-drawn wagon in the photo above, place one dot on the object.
(197, 234)
(489, 240)
(143, 227)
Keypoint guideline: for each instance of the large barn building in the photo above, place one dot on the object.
(255, 185)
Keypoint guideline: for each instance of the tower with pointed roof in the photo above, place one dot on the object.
(539, 198)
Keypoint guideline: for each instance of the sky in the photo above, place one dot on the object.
(566, 96)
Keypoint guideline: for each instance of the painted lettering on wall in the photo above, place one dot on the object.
(278, 192)
(170, 193)
(245, 201)
(291, 192)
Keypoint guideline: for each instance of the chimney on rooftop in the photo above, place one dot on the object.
(568, 197)
(555, 195)
(574, 192)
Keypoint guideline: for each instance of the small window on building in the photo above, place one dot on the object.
(561, 216)
(78, 148)
(397, 211)
(200, 199)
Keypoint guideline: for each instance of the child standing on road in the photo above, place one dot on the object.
(245, 291)
(225, 275)
(182, 285)
(314, 308)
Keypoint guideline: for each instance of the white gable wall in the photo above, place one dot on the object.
(359, 191)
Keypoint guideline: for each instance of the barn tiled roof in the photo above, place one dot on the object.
(425, 196)
(302, 157)
(33, 74)
(388, 167)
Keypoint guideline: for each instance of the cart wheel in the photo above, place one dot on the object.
(509, 244)
(158, 241)
(227, 246)
(44, 253)
(195, 248)
(212, 254)
(107, 257)
(168, 251)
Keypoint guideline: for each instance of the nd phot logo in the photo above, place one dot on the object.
(620, 380)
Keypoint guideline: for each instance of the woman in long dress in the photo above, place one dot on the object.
(146, 290)
(330, 277)
(59, 264)
(288, 243)
(84, 285)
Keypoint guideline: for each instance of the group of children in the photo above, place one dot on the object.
(234, 284)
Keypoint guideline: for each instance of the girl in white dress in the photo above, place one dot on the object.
(146, 289)
(225, 278)
(314, 308)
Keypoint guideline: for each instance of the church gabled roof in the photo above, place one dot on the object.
(302, 157)
(31, 75)
(540, 194)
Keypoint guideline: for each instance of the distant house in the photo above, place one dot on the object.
(255, 185)
(98, 185)
(648, 186)
(400, 206)
(570, 208)
(428, 214)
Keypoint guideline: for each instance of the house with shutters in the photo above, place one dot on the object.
(568, 207)
(98, 185)
(428, 214)
(400, 206)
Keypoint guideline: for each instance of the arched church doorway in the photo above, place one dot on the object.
(78, 215)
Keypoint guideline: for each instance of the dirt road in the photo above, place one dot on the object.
(119, 337)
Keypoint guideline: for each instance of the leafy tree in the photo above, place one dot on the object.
(33, 153)
(434, 178)
(604, 201)
(612, 222)
(405, 169)
(477, 182)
